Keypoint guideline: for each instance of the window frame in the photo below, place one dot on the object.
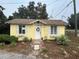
(53, 29)
(22, 29)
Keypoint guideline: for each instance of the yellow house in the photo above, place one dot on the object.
(36, 29)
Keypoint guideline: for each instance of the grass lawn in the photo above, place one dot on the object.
(54, 51)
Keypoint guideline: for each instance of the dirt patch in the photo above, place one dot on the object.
(20, 47)
(71, 51)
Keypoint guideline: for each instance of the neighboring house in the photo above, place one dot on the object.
(36, 29)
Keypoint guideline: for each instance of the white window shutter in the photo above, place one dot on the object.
(49, 30)
(26, 29)
(17, 30)
(57, 30)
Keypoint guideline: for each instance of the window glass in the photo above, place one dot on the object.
(21, 29)
(53, 29)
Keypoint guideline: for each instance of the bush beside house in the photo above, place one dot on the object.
(62, 40)
(7, 39)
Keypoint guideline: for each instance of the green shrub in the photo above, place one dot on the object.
(2, 46)
(44, 50)
(63, 40)
(27, 40)
(7, 39)
(13, 39)
(30, 40)
(13, 44)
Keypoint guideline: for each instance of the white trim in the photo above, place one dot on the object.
(37, 33)
(49, 31)
(17, 30)
(39, 21)
(22, 28)
(26, 30)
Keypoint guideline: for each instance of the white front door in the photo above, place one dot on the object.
(37, 33)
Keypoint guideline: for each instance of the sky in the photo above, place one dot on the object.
(54, 7)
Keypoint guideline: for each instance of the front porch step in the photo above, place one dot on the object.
(37, 44)
(37, 41)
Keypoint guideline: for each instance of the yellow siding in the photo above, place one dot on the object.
(30, 31)
(44, 31)
(61, 30)
(13, 30)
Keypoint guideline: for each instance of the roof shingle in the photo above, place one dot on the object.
(30, 21)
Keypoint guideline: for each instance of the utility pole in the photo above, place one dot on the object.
(74, 3)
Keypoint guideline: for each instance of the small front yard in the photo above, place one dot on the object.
(23, 48)
(52, 50)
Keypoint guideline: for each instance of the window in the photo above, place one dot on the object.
(53, 29)
(21, 29)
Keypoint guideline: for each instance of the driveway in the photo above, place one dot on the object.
(10, 55)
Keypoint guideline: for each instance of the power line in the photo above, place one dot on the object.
(56, 7)
(59, 6)
(64, 8)
(66, 12)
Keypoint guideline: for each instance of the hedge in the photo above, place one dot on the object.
(4, 38)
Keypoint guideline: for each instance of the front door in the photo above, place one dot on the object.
(37, 33)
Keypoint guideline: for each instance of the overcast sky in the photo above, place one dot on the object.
(53, 7)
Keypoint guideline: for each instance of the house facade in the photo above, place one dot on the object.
(36, 29)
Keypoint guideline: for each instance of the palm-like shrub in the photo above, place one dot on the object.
(63, 40)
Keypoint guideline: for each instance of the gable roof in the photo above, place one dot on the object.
(31, 21)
